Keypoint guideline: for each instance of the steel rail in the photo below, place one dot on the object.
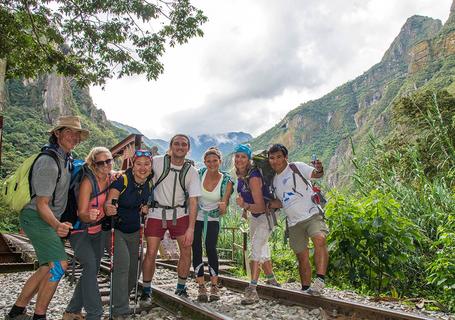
(332, 306)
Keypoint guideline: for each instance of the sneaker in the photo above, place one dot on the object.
(317, 287)
(72, 316)
(214, 293)
(251, 296)
(202, 293)
(273, 282)
(145, 300)
(182, 292)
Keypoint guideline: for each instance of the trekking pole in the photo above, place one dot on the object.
(114, 202)
(141, 253)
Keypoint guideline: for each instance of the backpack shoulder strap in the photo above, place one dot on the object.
(296, 171)
(183, 172)
(201, 172)
(166, 169)
(54, 156)
(226, 178)
(125, 183)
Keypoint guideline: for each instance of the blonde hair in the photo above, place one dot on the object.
(213, 150)
(91, 157)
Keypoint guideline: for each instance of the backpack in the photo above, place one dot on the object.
(17, 189)
(261, 163)
(181, 177)
(79, 170)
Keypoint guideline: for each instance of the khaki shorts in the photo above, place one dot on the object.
(300, 233)
(48, 245)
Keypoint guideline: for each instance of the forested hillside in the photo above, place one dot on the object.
(32, 107)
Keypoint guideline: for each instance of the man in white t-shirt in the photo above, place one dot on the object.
(174, 209)
(295, 195)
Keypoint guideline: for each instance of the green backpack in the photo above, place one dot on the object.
(17, 188)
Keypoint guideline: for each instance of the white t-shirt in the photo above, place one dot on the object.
(297, 207)
(163, 192)
(209, 199)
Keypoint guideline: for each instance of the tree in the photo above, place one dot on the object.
(93, 40)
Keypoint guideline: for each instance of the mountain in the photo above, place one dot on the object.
(420, 57)
(32, 107)
(226, 142)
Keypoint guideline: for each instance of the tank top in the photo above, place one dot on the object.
(209, 199)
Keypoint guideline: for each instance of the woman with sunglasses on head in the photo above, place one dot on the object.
(87, 237)
(128, 198)
(251, 193)
(216, 189)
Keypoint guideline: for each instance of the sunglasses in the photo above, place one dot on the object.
(142, 153)
(103, 162)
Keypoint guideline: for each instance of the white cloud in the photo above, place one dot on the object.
(258, 60)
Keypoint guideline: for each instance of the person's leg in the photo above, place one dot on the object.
(153, 233)
(183, 266)
(198, 265)
(177, 232)
(120, 276)
(211, 241)
(91, 292)
(303, 259)
(81, 244)
(48, 285)
(132, 241)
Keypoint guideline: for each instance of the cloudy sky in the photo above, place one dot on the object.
(258, 60)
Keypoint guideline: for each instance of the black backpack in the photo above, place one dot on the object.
(79, 170)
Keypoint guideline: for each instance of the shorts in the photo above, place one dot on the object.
(47, 244)
(300, 233)
(259, 234)
(154, 227)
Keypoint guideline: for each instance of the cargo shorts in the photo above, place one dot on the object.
(47, 244)
(300, 233)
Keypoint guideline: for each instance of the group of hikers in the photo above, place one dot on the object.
(163, 193)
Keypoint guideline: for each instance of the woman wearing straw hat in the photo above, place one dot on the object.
(40, 218)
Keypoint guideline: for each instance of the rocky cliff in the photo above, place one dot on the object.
(420, 55)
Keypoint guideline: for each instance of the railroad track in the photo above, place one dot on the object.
(329, 308)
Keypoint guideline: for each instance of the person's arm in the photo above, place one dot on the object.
(45, 212)
(84, 211)
(256, 191)
(192, 209)
(275, 204)
(224, 203)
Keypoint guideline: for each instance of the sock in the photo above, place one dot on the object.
(39, 316)
(321, 276)
(305, 287)
(270, 276)
(253, 283)
(146, 287)
(15, 311)
(181, 283)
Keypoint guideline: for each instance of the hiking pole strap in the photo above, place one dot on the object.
(163, 218)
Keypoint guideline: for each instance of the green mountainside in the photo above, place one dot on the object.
(421, 57)
(32, 107)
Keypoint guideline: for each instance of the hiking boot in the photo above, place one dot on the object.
(273, 282)
(317, 287)
(182, 293)
(72, 316)
(23, 316)
(251, 296)
(214, 293)
(202, 293)
(145, 300)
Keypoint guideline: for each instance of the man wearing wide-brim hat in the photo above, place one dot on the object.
(40, 218)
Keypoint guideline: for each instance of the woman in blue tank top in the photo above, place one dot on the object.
(251, 192)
